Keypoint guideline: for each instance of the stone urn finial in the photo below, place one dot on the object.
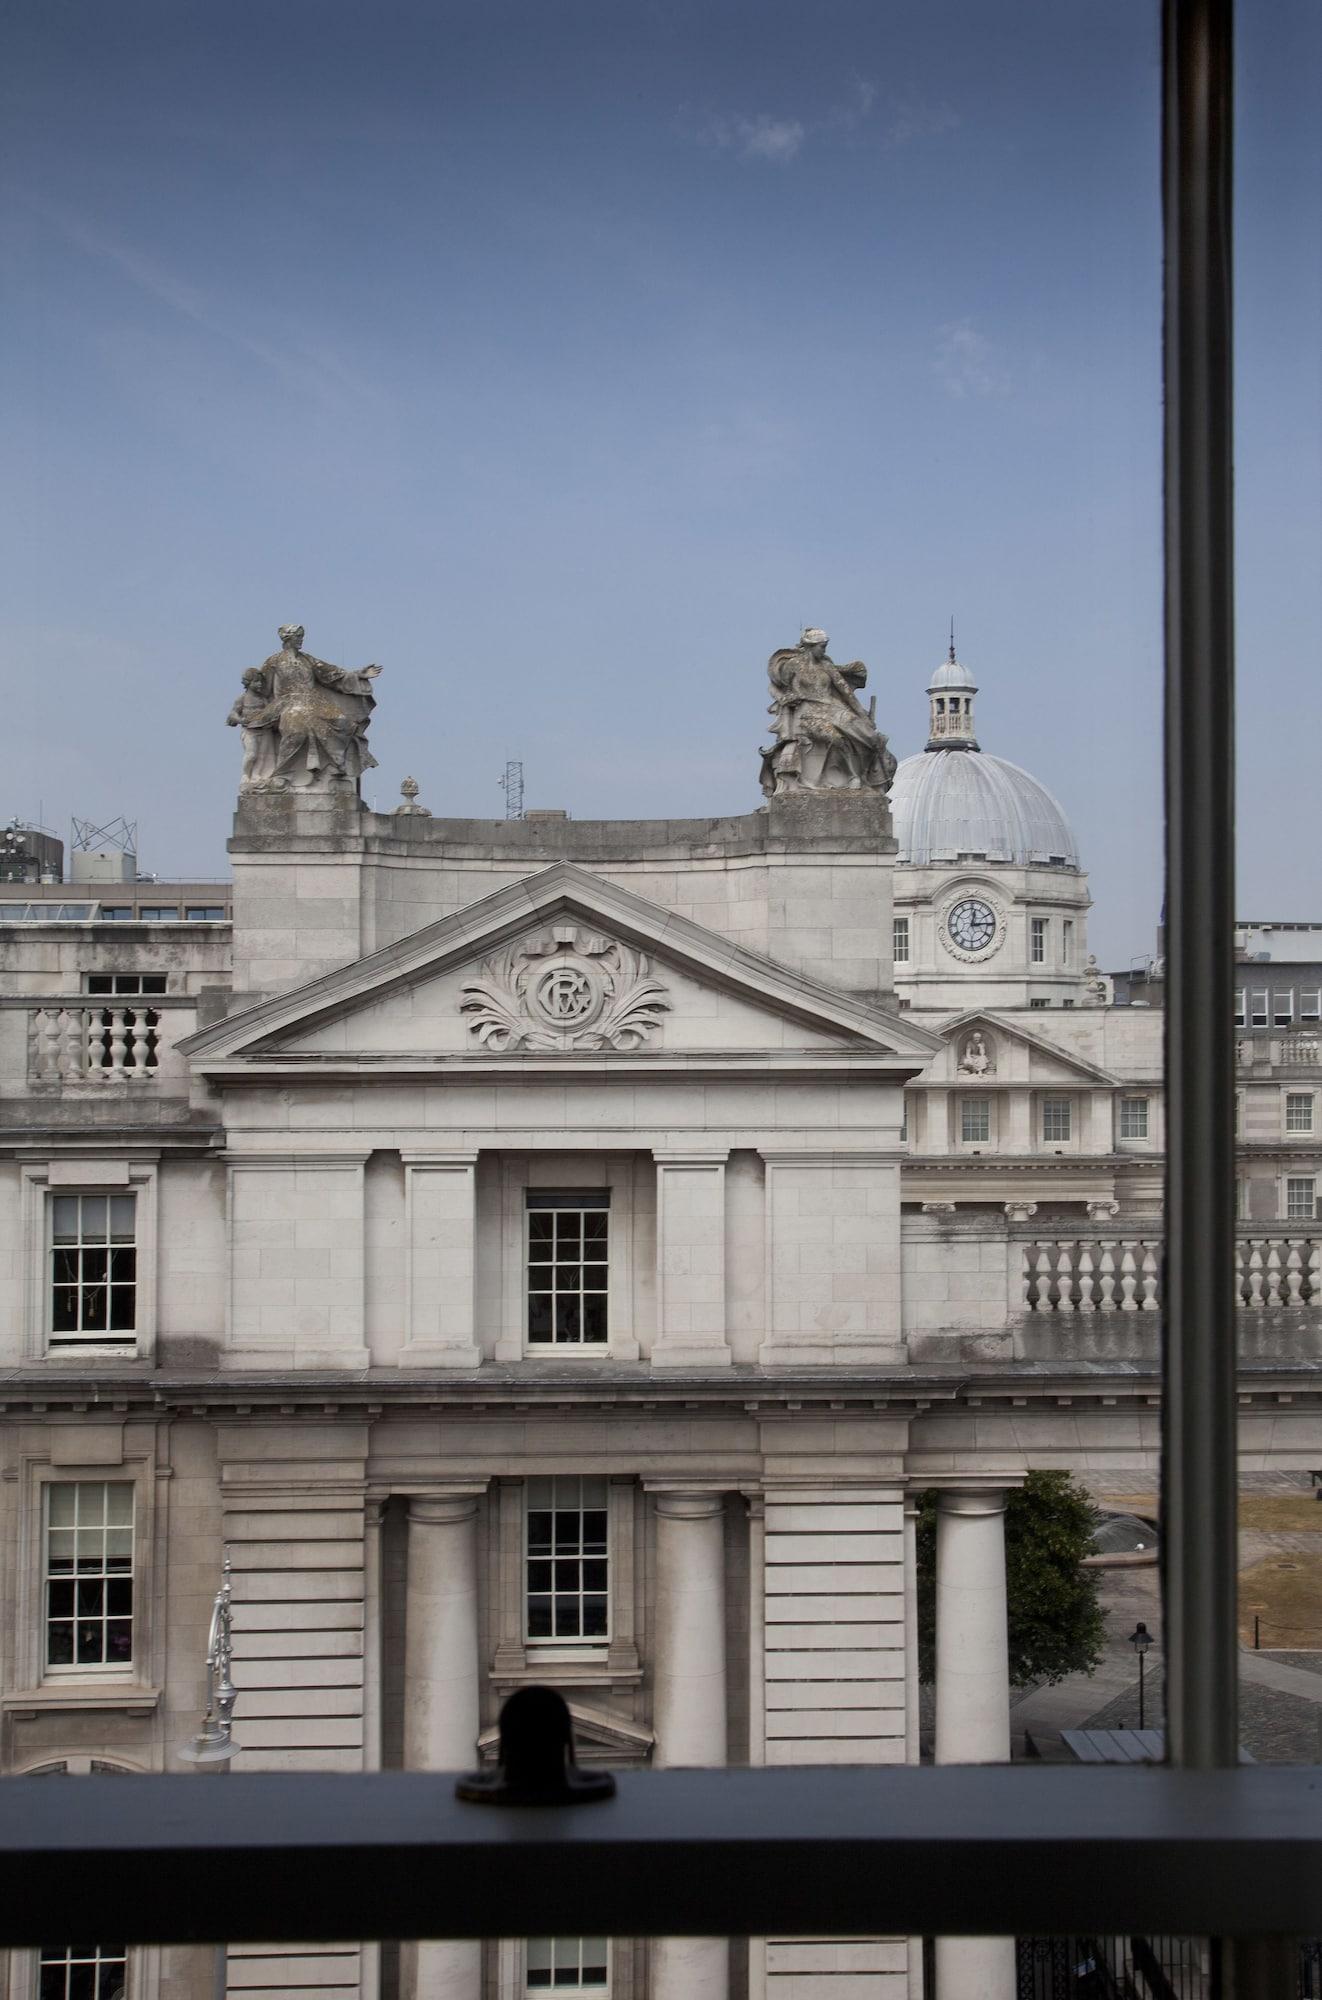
(409, 788)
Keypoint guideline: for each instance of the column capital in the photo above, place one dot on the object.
(1020, 1211)
(443, 1510)
(971, 1500)
(680, 1503)
(690, 1156)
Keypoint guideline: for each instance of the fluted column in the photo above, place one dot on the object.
(690, 1698)
(441, 1696)
(972, 1697)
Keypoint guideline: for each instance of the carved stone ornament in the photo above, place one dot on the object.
(303, 722)
(976, 1058)
(972, 926)
(564, 989)
(825, 740)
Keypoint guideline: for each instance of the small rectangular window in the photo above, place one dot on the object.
(975, 1120)
(1301, 1198)
(1038, 1006)
(1038, 941)
(158, 913)
(204, 913)
(83, 1971)
(575, 1965)
(1067, 942)
(1056, 1119)
(114, 913)
(93, 1270)
(1258, 1007)
(1240, 1017)
(1310, 1004)
(900, 940)
(89, 1574)
(1282, 1009)
(568, 1245)
(1133, 1118)
(1299, 1111)
(126, 982)
(567, 1562)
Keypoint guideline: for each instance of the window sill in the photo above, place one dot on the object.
(57, 1697)
(562, 1672)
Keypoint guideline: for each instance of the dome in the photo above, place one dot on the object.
(952, 674)
(952, 803)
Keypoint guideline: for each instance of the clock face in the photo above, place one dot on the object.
(971, 925)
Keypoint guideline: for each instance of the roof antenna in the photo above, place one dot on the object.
(952, 636)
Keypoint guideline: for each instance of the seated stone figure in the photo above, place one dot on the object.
(304, 721)
(825, 739)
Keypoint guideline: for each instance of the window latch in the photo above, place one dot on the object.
(537, 1765)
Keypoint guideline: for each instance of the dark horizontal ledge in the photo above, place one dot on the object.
(980, 1850)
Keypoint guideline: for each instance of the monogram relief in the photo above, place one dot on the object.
(566, 989)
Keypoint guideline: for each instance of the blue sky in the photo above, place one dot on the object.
(566, 359)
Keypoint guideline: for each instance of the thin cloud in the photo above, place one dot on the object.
(317, 371)
(755, 138)
(912, 118)
(966, 362)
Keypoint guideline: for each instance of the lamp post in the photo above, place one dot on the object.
(1140, 1639)
(214, 1745)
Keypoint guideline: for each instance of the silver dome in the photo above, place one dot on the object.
(949, 803)
(952, 673)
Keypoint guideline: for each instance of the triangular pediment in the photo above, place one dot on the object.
(558, 966)
(984, 1046)
(600, 1736)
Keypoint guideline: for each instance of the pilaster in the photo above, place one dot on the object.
(690, 1260)
(440, 1261)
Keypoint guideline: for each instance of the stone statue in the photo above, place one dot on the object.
(304, 722)
(975, 1060)
(825, 739)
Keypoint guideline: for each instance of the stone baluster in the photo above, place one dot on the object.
(73, 1041)
(1315, 1274)
(1239, 1274)
(1150, 1271)
(118, 1040)
(1042, 1303)
(141, 1045)
(1107, 1268)
(972, 1697)
(1273, 1274)
(1026, 1277)
(57, 1047)
(1065, 1279)
(1294, 1276)
(94, 1036)
(1255, 1278)
(1086, 1279)
(1128, 1280)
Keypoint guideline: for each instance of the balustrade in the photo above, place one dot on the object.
(95, 1044)
(1123, 1274)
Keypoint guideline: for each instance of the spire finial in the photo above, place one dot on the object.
(952, 636)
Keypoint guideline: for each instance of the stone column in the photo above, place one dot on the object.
(689, 1703)
(441, 1696)
(972, 1697)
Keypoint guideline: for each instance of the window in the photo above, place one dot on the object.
(1310, 1003)
(1240, 1019)
(1037, 950)
(1067, 1003)
(1067, 942)
(89, 1574)
(204, 913)
(567, 1562)
(568, 1241)
(159, 913)
(900, 940)
(126, 982)
(116, 913)
(1282, 1009)
(1258, 1007)
(93, 1269)
(579, 1964)
(1133, 1118)
(1055, 1118)
(1298, 1110)
(975, 1120)
(1301, 1198)
(1039, 1005)
(83, 1972)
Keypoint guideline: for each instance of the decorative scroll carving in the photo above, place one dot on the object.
(564, 989)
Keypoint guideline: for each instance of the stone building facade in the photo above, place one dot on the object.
(561, 1251)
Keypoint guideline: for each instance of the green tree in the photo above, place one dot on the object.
(1056, 1624)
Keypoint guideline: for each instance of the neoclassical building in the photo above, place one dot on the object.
(559, 1251)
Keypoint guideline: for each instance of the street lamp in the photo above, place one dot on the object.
(214, 1745)
(1140, 1639)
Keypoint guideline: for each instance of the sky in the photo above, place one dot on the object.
(567, 359)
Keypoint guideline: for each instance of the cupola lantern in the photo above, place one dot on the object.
(950, 695)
